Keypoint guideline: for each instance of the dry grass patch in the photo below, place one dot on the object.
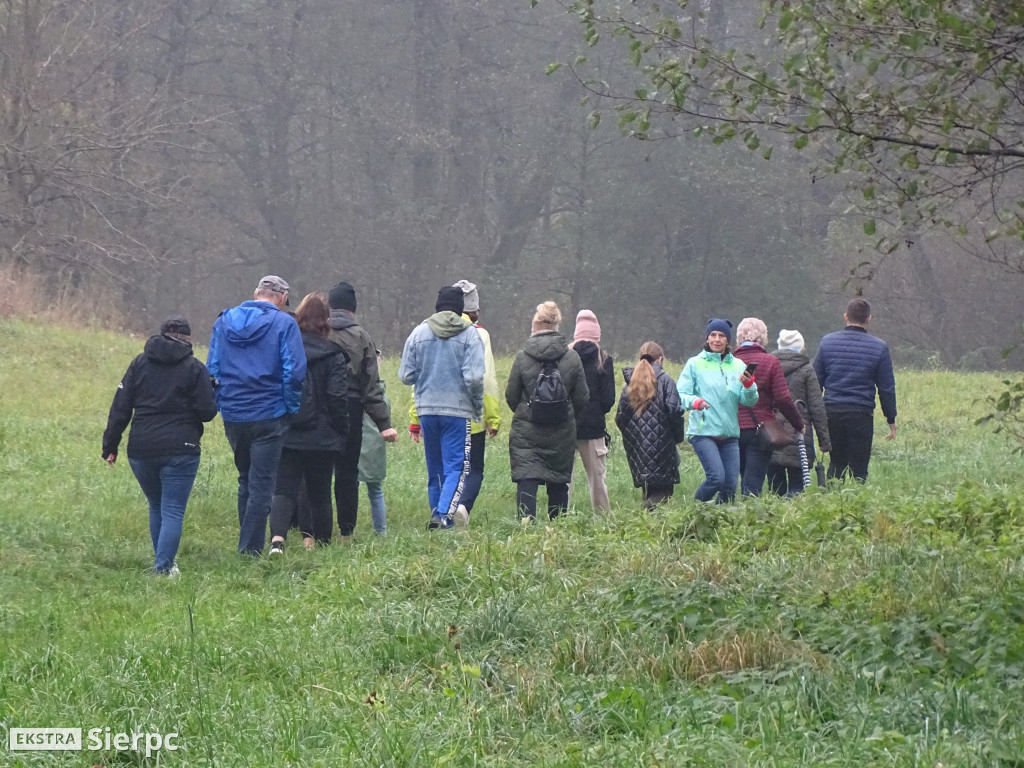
(765, 651)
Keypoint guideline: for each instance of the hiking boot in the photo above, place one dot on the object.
(461, 517)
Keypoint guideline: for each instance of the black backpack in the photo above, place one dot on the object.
(309, 406)
(550, 402)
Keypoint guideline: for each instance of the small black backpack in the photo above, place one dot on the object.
(550, 402)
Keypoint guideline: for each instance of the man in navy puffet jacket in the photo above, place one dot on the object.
(851, 364)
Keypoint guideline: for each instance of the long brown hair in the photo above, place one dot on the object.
(313, 314)
(642, 385)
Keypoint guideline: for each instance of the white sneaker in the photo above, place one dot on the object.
(461, 517)
(175, 572)
(277, 548)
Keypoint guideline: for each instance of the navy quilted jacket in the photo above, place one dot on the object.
(851, 364)
(650, 437)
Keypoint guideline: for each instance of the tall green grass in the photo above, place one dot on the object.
(869, 626)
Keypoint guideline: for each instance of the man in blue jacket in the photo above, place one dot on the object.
(256, 358)
(851, 364)
(443, 360)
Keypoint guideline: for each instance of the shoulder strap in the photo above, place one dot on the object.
(752, 415)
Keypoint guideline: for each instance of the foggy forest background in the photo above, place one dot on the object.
(177, 151)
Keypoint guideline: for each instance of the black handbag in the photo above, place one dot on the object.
(770, 434)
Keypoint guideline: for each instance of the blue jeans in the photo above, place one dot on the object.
(257, 449)
(446, 443)
(167, 483)
(721, 461)
(753, 463)
(379, 513)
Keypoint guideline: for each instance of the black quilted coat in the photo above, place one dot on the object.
(650, 437)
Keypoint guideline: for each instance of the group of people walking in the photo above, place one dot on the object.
(753, 415)
(293, 392)
(300, 394)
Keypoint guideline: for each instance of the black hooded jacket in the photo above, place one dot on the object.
(166, 394)
(327, 366)
(600, 373)
(650, 437)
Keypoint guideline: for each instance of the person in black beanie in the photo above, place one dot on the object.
(445, 366)
(166, 394)
(366, 395)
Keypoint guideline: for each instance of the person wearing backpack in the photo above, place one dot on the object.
(652, 421)
(315, 434)
(443, 360)
(547, 391)
(785, 473)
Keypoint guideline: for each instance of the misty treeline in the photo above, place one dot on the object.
(178, 150)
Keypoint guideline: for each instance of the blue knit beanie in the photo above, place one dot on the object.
(720, 325)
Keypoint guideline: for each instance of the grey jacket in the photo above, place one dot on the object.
(804, 387)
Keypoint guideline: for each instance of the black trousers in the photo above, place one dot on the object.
(526, 498)
(346, 469)
(851, 434)
(785, 481)
(315, 518)
(657, 494)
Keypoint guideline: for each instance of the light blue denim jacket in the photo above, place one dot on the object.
(445, 367)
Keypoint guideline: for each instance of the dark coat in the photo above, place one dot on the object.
(539, 452)
(851, 364)
(650, 437)
(600, 375)
(364, 381)
(772, 390)
(327, 366)
(803, 387)
(166, 394)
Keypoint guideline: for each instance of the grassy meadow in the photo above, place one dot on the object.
(880, 625)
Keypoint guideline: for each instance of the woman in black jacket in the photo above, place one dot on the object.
(651, 420)
(591, 442)
(315, 435)
(166, 394)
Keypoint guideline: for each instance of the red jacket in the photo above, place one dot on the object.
(772, 390)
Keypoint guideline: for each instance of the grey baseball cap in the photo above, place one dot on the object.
(273, 283)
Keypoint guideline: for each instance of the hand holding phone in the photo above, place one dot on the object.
(747, 377)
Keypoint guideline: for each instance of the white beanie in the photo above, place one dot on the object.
(790, 340)
(471, 298)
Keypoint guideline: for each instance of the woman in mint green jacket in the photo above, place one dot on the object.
(712, 386)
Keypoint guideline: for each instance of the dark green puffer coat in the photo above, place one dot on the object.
(538, 452)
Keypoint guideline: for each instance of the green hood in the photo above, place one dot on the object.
(447, 324)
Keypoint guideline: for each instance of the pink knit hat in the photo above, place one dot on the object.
(587, 327)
